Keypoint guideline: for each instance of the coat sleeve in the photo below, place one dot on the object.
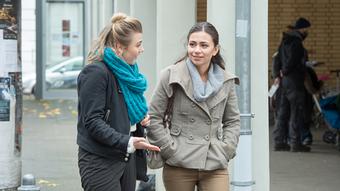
(276, 65)
(92, 87)
(156, 133)
(231, 122)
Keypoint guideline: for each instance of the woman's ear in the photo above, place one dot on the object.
(216, 49)
(119, 49)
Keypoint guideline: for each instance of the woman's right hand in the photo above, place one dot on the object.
(141, 143)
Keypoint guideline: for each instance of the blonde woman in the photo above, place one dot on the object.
(111, 105)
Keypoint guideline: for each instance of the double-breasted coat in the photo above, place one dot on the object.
(203, 135)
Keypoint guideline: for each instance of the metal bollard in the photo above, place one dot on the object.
(28, 183)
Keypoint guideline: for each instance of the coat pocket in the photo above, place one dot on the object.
(220, 148)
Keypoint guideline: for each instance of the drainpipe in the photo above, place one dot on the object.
(242, 173)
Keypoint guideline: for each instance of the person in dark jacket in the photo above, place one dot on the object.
(111, 105)
(293, 56)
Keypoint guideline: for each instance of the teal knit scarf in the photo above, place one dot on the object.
(132, 83)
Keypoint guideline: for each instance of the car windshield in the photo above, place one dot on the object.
(73, 64)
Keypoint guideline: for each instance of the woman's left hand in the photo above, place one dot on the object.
(146, 121)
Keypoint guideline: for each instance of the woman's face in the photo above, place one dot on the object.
(201, 48)
(135, 48)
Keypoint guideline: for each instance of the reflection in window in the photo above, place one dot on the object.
(64, 44)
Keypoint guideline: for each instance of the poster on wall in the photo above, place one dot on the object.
(5, 98)
(9, 18)
(9, 36)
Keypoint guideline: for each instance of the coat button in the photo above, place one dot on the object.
(191, 137)
(208, 122)
(127, 155)
(126, 159)
(192, 120)
(219, 136)
(206, 137)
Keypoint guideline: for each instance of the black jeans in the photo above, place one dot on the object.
(103, 174)
(291, 111)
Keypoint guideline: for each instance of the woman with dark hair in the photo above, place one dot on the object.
(205, 120)
(111, 108)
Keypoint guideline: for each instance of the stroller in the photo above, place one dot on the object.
(329, 107)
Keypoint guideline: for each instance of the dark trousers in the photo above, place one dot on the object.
(308, 110)
(290, 116)
(103, 174)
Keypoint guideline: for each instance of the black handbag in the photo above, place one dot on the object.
(141, 166)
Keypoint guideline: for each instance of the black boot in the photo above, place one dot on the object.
(281, 147)
(300, 148)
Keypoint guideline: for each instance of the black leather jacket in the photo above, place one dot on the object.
(98, 93)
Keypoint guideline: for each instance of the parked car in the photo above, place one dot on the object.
(59, 76)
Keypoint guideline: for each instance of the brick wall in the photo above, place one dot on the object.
(324, 35)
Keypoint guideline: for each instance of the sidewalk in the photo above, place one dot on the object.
(318, 170)
(49, 150)
(50, 153)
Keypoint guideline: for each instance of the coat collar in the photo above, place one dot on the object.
(179, 74)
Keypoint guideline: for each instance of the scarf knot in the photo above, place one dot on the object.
(204, 90)
(132, 83)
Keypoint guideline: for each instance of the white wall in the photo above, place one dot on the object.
(259, 94)
(28, 35)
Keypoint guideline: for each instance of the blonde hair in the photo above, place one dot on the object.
(119, 30)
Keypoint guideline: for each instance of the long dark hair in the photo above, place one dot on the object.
(211, 30)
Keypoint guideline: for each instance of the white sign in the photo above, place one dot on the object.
(242, 28)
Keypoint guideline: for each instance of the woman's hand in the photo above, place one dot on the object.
(140, 143)
(146, 121)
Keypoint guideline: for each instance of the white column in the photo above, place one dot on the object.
(122, 6)
(221, 14)
(174, 20)
(145, 11)
(259, 84)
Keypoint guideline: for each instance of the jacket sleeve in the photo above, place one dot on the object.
(156, 133)
(291, 56)
(231, 122)
(92, 87)
(276, 65)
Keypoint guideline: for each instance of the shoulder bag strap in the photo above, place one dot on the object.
(168, 112)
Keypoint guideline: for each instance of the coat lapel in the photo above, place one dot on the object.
(180, 75)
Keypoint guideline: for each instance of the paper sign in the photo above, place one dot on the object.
(273, 90)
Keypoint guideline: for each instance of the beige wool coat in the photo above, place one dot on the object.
(203, 135)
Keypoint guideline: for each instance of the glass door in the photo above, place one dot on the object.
(62, 48)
